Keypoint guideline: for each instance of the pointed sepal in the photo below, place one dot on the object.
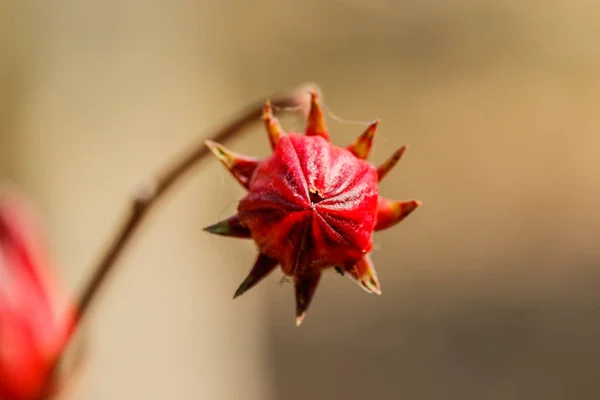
(361, 147)
(274, 129)
(390, 163)
(363, 273)
(262, 267)
(305, 287)
(231, 226)
(241, 167)
(390, 212)
(316, 125)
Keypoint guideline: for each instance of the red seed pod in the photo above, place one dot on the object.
(311, 206)
(35, 318)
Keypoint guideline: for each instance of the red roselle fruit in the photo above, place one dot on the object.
(311, 206)
(35, 318)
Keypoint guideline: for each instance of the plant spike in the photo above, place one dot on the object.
(262, 267)
(363, 273)
(316, 125)
(390, 163)
(240, 166)
(361, 147)
(231, 226)
(390, 212)
(274, 129)
(305, 287)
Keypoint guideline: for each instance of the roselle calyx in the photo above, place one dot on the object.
(311, 205)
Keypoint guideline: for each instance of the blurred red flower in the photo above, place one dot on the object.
(36, 319)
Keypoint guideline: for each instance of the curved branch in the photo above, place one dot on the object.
(156, 189)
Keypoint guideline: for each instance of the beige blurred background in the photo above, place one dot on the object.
(490, 290)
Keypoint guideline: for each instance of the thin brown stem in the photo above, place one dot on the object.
(159, 186)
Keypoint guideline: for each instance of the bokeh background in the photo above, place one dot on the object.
(490, 290)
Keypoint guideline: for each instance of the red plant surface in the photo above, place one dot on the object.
(35, 319)
(311, 206)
